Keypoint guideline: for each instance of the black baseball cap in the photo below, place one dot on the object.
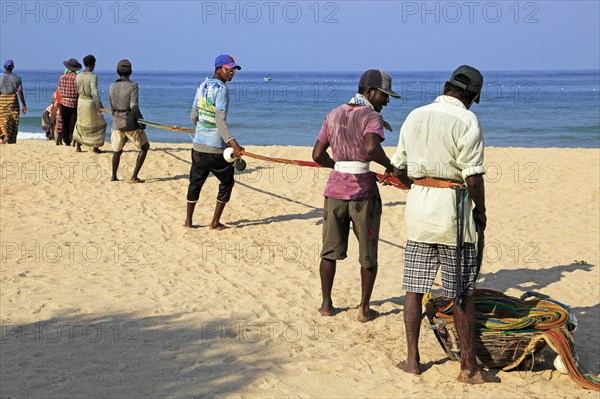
(124, 67)
(471, 82)
(379, 80)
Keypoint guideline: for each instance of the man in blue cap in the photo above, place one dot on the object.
(11, 87)
(209, 114)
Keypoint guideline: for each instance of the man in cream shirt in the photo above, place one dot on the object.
(441, 149)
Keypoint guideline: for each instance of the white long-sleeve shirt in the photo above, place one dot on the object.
(442, 140)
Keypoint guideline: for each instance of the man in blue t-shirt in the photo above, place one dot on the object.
(209, 114)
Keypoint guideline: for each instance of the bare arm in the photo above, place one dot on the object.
(476, 189)
(22, 98)
(375, 151)
(237, 149)
(320, 155)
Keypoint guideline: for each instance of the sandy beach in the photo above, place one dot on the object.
(103, 293)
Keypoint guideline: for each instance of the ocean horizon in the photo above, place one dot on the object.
(532, 109)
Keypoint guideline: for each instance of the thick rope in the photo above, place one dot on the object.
(392, 181)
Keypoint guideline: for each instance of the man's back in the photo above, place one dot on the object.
(345, 128)
(68, 90)
(123, 95)
(442, 140)
(344, 131)
(9, 83)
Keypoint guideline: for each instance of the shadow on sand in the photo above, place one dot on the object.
(122, 355)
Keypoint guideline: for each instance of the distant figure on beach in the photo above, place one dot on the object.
(90, 129)
(441, 149)
(209, 114)
(51, 122)
(68, 101)
(55, 114)
(354, 131)
(11, 91)
(125, 109)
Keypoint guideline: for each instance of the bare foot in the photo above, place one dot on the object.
(409, 368)
(188, 225)
(98, 151)
(219, 227)
(136, 180)
(114, 179)
(327, 311)
(478, 376)
(369, 315)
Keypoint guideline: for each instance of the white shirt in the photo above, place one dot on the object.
(442, 140)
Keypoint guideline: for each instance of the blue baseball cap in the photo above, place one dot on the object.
(9, 64)
(227, 60)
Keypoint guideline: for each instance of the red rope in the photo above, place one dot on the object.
(390, 180)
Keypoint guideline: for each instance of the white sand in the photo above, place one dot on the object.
(103, 293)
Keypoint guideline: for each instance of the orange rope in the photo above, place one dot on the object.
(392, 181)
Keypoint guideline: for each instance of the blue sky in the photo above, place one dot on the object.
(304, 35)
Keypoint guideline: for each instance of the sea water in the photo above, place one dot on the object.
(517, 108)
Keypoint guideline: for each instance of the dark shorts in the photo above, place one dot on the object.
(422, 261)
(202, 165)
(365, 216)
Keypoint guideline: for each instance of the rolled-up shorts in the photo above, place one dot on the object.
(119, 138)
(202, 165)
(365, 216)
(422, 261)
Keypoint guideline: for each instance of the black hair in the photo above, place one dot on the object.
(363, 90)
(124, 73)
(468, 96)
(89, 60)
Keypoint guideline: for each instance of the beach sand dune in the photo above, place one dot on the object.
(103, 293)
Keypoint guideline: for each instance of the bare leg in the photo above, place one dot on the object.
(77, 146)
(327, 272)
(412, 324)
(216, 221)
(138, 164)
(189, 214)
(367, 281)
(115, 164)
(464, 320)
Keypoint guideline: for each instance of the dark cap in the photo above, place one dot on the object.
(227, 60)
(378, 80)
(124, 67)
(72, 65)
(471, 81)
(8, 64)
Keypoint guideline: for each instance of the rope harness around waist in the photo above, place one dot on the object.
(461, 195)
